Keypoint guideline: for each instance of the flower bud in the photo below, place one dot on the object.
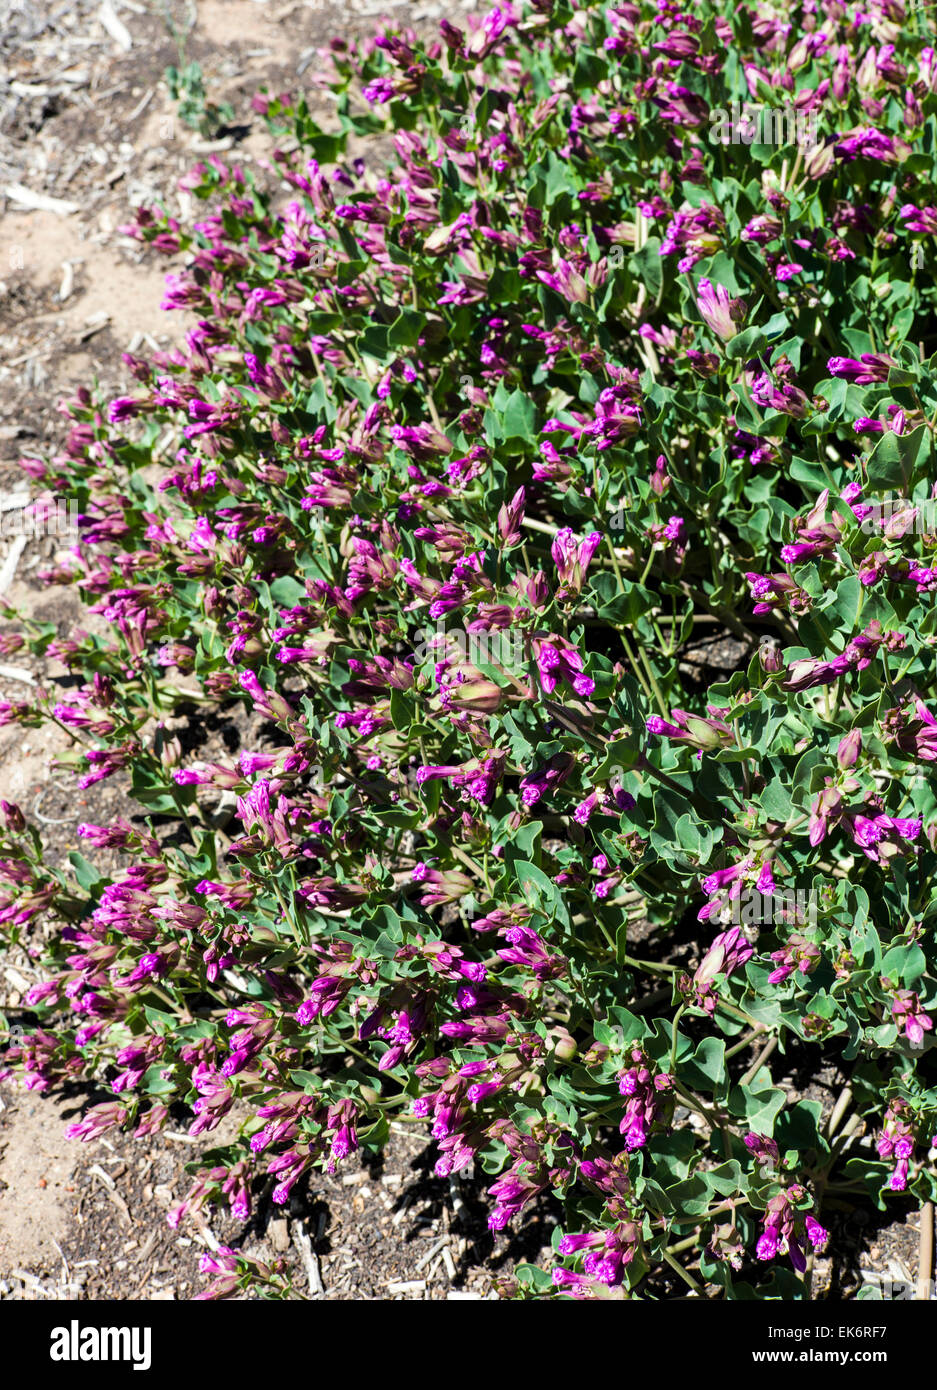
(564, 1045)
(13, 816)
(712, 964)
(213, 601)
(252, 651)
(170, 751)
(900, 521)
(704, 733)
(819, 161)
(849, 749)
(660, 478)
(770, 657)
(478, 697)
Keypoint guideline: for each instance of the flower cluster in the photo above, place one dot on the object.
(543, 519)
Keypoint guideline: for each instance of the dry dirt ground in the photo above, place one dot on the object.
(87, 131)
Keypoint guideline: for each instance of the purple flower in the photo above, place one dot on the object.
(719, 310)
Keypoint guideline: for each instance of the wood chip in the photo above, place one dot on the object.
(401, 1215)
(278, 1232)
(206, 1236)
(39, 202)
(62, 1257)
(120, 1204)
(115, 27)
(68, 281)
(407, 1286)
(106, 1178)
(455, 1196)
(92, 326)
(27, 357)
(32, 1282)
(17, 673)
(431, 1253)
(8, 570)
(310, 1262)
(141, 105)
(199, 146)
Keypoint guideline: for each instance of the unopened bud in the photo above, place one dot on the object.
(13, 816)
(900, 521)
(252, 651)
(214, 603)
(770, 657)
(660, 479)
(819, 161)
(849, 749)
(479, 697)
(565, 1045)
(712, 964)
(170, 752)
(703, 732)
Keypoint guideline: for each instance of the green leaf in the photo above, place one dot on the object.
(695, 1195)
(706, 1069)
(758, 1107)
(895, 457)
(519, 419)
(405, 331)
(751, 342)
(86, 874)
(904, 964)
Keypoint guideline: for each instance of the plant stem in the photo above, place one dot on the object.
(839, 1111)
(684, 1274)
(762, 1057)
(674, 1037)
(745, 1042)
(652, 966)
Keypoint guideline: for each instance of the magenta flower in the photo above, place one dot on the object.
(644, 1107)
(728, 952)
(693, 729)
(719, 310)
(558, 661)
(572, 559)
(797, 954)
(871, 367)
(907, 1011)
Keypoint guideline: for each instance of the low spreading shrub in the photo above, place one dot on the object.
(551, 515)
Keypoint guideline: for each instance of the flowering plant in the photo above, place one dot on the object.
(460, 470)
